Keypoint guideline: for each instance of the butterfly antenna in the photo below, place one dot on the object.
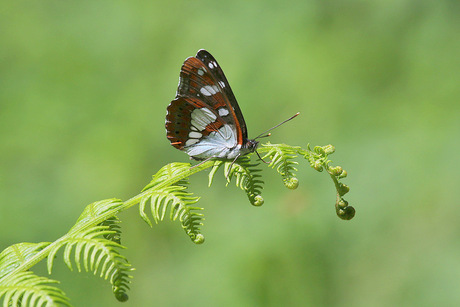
(262, 134)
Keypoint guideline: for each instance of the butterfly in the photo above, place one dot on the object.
(204, 119)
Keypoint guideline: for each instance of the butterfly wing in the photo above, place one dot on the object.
(208, 60)
(205, 119)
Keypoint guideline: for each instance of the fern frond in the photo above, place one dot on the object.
(28, 289)
(181, 208)
(282, 159)
(247, 178)
(93, 243)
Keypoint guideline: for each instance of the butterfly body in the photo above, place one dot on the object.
(204, 119)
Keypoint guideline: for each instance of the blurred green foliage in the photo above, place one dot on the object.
(83, 91)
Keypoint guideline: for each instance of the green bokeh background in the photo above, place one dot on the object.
(84, 87)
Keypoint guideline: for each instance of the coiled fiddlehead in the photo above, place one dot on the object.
(319, 160)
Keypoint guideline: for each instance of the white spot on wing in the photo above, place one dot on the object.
(202, 117)
(222, 84)
(204, 91)
(211, 65)
(209, 90)
(195, 135)
(223, 112)
(198, 125)
(191, 142)
(209, 114)
(201, 71)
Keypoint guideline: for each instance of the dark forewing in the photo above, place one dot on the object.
(218, 74)
(202, 84)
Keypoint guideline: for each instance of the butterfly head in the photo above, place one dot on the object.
(251, 145)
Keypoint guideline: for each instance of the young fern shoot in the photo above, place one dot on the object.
(93, 244)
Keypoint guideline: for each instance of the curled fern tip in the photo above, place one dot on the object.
(121, 296)
(328, 149)
(258, 201)
(336, 171)
(318, 165)
(199, 239)
(347, 213)
(292, 183)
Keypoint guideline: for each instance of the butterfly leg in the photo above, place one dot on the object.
(230, 168)
(262, 159)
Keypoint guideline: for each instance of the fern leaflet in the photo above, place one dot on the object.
(28, 289)
(181, 208)
(247, 178)
(16, 255)
(282, 157)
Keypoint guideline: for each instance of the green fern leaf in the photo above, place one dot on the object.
(15, 255)
(247, 178)
(90, 246)
(181, 207)
(112, 224)
(28, 289)
(97, 254)
(282, 159)
(175, 171)
(216, 165)
(102, 210)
